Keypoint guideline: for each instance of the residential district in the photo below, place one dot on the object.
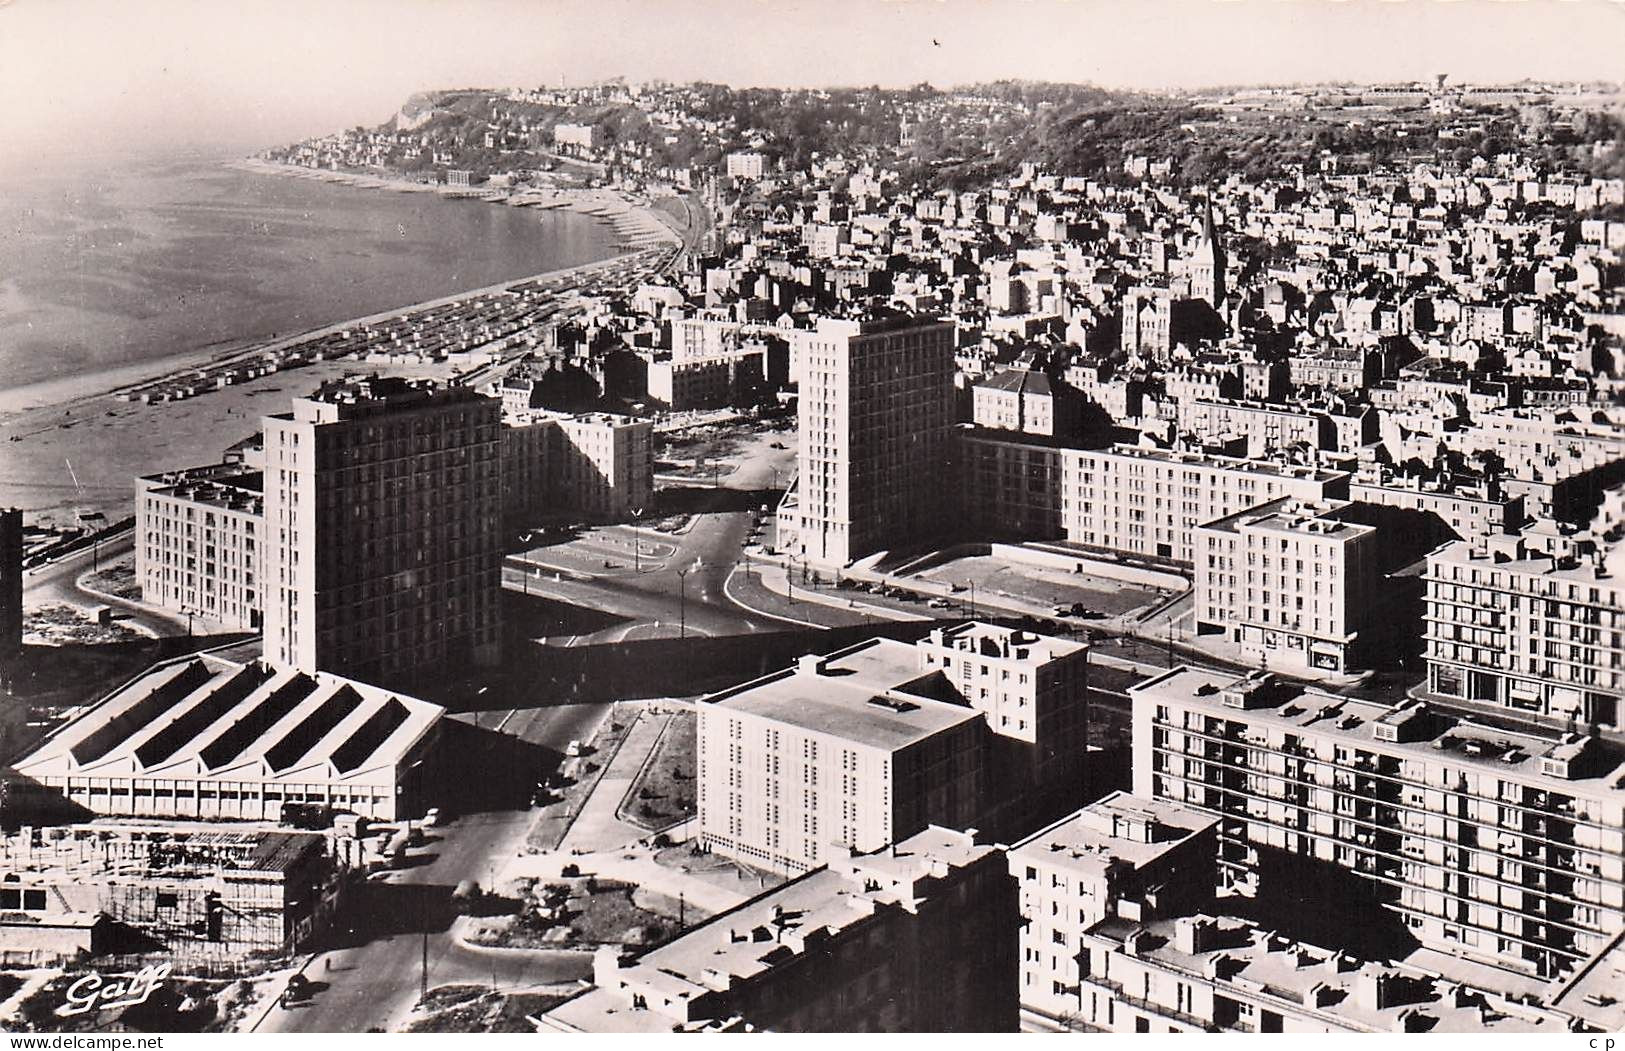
(1002, 559)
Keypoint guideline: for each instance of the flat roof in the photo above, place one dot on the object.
(855, 694)
(1328, 982)
(1085, 841)
(772, 929)
(1496, 741)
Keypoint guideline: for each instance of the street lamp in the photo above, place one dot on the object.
(637, 542)
(682, 601)
(972, 584)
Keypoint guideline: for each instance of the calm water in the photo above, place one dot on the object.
(125, 264)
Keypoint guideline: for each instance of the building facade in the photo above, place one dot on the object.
(1291, 581)
(1121, 854)
(1498, 842)
(917, 938)
(383, 541)
(208, 738)
(1515, 627)
(1149, 502)
(875, 410)
(834, 752)
(199, 541)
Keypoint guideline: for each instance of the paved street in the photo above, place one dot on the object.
(57, 583)
(376, 972)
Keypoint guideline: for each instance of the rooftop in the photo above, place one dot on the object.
(858, 694)
(1294, 517)
(772, 930)
(1005, 643)
(1360, 995)
(208, 717)
(1494, 740)
(1115, 829)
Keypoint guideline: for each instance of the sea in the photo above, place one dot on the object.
(123, 261)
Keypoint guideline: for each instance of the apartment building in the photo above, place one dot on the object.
(383, 541)
(875, 741)
(1120, 855)
(1009, 485)
(1148, 502)
(1517, 627)
(197, 542)
(746, 165)
(1264, 428)
(1485, 838)
(11, 587)
(1293, 582)
(1225, 974)
(598, 465)
(875, 412)
(1033, 691)
(919, 937)
(1467, 510)
(836, 751)
(1022, 400)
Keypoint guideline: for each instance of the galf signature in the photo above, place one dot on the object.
(93, 992)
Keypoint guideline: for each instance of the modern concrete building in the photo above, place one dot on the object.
(205, 737)
(1009, 485)
(1468, 511)
(875, 411)
(1120, 855)
(1488, 839)
(919, 937)
(199, 541)
(1033, 691)
(1224, 974)
(1123, 499)
(1266, 429)
(746, 165)
(596, 465)
(976, 725)
(1513, 626)
(1293, 582)
(11, 588)
(835, 752)
(383, 542)
(1148, 502)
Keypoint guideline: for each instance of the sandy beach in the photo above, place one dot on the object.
(77, 420)
(45, 427)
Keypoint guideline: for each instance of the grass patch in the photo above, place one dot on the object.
(664, 790)
(117, 578)
(476, 1009)
(576, 914)
(59, 625)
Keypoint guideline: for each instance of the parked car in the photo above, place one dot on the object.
(574, 748)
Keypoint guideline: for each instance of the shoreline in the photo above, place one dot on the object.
(78, 443)
(67, 392)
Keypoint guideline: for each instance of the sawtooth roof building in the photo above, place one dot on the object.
(207, 737)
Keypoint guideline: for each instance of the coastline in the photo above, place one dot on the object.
(69, 391)
(78, 443)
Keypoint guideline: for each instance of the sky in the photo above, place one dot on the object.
(103, 76)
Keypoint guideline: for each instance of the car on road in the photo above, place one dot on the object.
(940, 603)
(432, 817)
(776, 445)
(574, 748)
